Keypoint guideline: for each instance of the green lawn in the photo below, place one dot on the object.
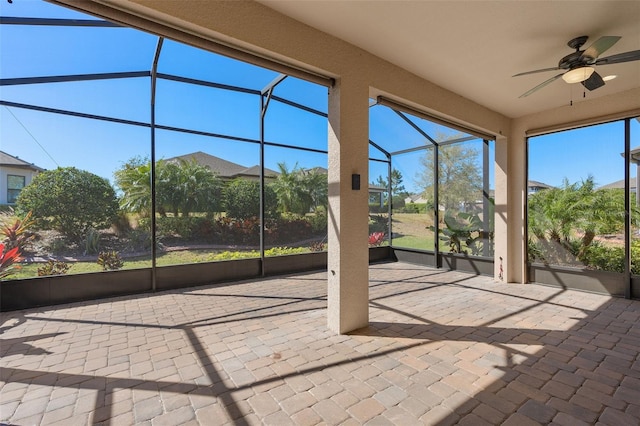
(411, 241)
(164, 259)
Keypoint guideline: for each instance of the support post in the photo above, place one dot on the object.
(152, 168)
(348, 257)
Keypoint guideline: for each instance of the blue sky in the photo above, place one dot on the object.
(51, 140)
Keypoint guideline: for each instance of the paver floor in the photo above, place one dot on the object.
(442, 348)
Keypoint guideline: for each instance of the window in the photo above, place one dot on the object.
(14, 186)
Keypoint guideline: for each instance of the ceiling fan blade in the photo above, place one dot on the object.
(593, 82)
(536, 71)
(633, 55)
(600, 46)
(541, 85)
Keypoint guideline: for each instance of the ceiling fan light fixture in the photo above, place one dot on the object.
(578, 75)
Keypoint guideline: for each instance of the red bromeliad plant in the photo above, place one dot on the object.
(17, 234)
(8, 260)
(376, 239)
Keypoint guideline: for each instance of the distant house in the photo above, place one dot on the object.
(619, 184)
(415, 198)
(535, 186)
(225, 170)
(15, 174)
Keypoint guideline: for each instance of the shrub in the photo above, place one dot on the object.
(378, 223)
(139, 240)
(414, 208)
(605, 258)
(110, 260)
(377, 208)
(53, 267)
(58, 245)
(242, 199)
(70, 201)
(185, 227)
(397, 202)
(235, 255)
(318, 221)
(281, 251)
(237, 231)
(317, 246)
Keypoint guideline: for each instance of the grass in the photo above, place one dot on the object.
(181, 257)
(411, 241)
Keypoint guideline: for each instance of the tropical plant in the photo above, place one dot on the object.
(376, 239)
(134, 180)
(53, 267)
(110, 260)
(17, 234)
(291, 191)
(9, 257)
(69, 200)
(564, 221)
(182, 187)
(92, 242)
(317, 246)
(464, 232)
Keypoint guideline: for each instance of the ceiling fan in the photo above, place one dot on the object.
(578, 67)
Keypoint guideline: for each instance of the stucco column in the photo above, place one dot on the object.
(511, 193)
(348, 262)
(501, 242)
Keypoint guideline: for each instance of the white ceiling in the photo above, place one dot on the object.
(474, 47)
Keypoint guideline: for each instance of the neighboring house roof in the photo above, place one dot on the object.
(222, 167)
(619, 184)
(254, 171)
(412, 198)
(9, 160)
(319, 170)
(536, 184)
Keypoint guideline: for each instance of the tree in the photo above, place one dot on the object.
(300, 190)
(398, 191)
(186, 187)
(564, 221)
(317, 186)
(460, 177)
(70, 200)
(182, 187)
(134, 180)
(242, 199)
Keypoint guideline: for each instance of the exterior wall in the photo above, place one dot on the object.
(18, 171)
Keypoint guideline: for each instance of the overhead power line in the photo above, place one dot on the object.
(31, 134)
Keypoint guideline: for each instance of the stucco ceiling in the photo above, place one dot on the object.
(474, 47)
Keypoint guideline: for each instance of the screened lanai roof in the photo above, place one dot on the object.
(95, 69)
(72, 78)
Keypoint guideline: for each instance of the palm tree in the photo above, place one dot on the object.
(293, 195)
(134, 180)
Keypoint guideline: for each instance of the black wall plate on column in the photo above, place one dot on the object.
(355, 182)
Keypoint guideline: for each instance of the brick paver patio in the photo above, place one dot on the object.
(442, 348)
